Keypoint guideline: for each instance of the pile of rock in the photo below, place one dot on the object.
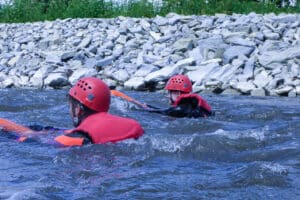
(247, 54)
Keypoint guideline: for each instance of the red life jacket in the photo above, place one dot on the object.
(103, 127)
(201, 102)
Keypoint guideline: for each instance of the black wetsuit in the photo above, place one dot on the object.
(187, 107)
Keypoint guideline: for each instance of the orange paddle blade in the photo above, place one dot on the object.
(120, 94)
(13, 127)
(124, 96)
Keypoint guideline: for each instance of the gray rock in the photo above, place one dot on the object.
(195, 53)
(271, 35)
(258, 92)
(155, 36)
(163, 74)
(292, 93)
(56, 80)
(275, 67)
(37, 80)
(207, 22)
(283, 90)
(110, 82)
(67, 55)
(104, 62)
(149, 59)
(213, 45)
(136, 83)
(213, 84)
(24, 40)
(298, 90)
(145, 69)
(269, 57)
(240, 41)
(249, 68)
(52, 57)
(85, 42)
(21, 81)
(12, 62)
(173, 18)
(121, 75)
(137, 29)
(117, 52)
(145, 24)
(183, 44)
(164, 39)
(262, 79)
(83, 72)
(228, 73)
(74, 65)
(75, 42)
(163, 62)
(235, 51)
(200, 74)
(258, 35)
(273, 45)
(287, 18)
(90, 63)
(8, 83)
(113, 34)
(244, 87)
(230, 91)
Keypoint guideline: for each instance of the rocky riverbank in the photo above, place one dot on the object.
(245, 54)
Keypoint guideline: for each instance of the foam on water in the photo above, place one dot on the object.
(275, 168)
(258, 134)
(171, 144)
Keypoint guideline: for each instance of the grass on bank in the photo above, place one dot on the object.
(40, 10)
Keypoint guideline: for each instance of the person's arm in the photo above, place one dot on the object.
(187, 107)
(177, 111)
(47, 135)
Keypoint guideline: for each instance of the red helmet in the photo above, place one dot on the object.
(93, 93)
(180, 83)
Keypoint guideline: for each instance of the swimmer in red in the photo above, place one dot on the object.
(183, 102)
(89, 101)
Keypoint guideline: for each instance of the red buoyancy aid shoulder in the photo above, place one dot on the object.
(201, 102)
(104, 127)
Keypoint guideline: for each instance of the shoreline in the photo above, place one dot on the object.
(252, 54)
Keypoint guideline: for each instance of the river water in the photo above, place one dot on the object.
(248, 150)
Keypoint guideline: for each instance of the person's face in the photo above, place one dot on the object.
(71, 110)
(173, 95)
(75, 111)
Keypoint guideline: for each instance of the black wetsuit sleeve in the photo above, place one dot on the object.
(37, 127)
(177, 111)
(86, 138)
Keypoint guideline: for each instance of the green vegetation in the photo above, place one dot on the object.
(40, 10)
